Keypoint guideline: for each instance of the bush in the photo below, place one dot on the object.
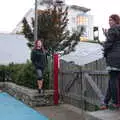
(2, 73)
(23, 74)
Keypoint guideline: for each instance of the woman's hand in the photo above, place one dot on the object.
(105, 31)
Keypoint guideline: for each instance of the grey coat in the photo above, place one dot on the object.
(112, 47)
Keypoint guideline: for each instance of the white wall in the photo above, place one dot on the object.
(13, 48)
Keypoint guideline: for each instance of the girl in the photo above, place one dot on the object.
(38, 58)
(112, 55)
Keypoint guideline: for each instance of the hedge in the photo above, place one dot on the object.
(22, 74)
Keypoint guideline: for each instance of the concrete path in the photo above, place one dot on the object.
(62, 112)
(106, 114)
(69, 112)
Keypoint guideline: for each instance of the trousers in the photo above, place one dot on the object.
(113, 90)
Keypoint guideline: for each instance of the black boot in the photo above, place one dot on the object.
(40, 91)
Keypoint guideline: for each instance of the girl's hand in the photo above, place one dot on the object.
(105, 31)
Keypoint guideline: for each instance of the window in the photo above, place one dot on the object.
(82, 20)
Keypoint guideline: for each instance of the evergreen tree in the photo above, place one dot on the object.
(52, 26)
(28, 33)
(74, 38)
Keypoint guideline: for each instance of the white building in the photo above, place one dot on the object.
(78, 16)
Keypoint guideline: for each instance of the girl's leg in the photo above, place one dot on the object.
(113, 86)
(104, 104)
(118, 90)
(40, 80)
(112, 91)
(108, 94)
(40, 84)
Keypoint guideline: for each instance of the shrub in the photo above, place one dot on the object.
(23, 74)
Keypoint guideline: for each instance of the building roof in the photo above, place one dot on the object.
(13, 48)
(84, 9)
(46, 1)
(30, 13)
(84, 53)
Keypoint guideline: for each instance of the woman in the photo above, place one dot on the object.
(112, 55)
(38, 58)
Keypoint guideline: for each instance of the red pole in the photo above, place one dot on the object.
(56, 96)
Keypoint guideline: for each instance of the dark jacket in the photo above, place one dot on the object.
(38, 58)
(112, 47)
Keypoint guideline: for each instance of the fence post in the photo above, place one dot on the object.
(56, 96)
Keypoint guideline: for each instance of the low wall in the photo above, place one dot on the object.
(28, 96)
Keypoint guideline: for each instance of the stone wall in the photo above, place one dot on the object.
(28, 96)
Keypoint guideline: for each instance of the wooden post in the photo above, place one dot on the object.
(56, 96)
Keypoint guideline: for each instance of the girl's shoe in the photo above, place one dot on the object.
(114, 106)
(40, 91)
(103, 106)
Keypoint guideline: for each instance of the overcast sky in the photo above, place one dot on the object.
(12, 11)
(101, 9)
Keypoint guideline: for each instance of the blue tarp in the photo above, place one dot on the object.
(12, 109)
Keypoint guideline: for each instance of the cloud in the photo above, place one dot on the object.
(11, 12)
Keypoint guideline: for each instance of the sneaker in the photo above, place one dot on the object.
(40, 91)
(114, 106)
(103, 107)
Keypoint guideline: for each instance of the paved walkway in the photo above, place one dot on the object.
(106, 114)
(62, 112)
(69, 112)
